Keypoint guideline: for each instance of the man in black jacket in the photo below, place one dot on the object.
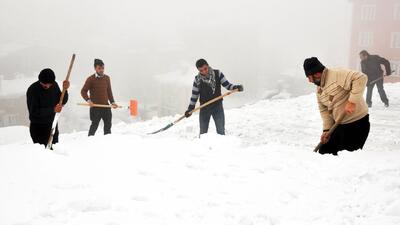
(207, 86)
(42, 100)
(371, 65)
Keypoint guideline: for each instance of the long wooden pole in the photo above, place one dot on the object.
(330, 132)
(196, 109)
(98, 105)
(57, 116)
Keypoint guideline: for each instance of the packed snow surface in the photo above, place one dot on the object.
(262, 173)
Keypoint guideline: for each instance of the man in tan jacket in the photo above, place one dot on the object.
(340, 94)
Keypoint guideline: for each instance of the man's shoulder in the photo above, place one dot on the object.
(340, 71)
(34, 85)
(91, 77)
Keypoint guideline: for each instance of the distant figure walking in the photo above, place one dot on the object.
(371, 65)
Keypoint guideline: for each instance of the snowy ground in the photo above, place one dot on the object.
(262, 173)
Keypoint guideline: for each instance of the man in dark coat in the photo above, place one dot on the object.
(42, 99)
(371, 65)
(207, 86)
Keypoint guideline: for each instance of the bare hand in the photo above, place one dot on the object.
(325, 137)
(114, 105)
(58, 108)
(350, 107)
(65, 85)
(90, 103)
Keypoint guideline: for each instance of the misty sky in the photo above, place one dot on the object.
(252, 42)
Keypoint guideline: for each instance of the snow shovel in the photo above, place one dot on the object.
(380, 78)
(195, 110)
(133, 106)
(57, 116)
(333, 128)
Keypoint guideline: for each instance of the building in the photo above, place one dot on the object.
(376, 28)
(13, 101)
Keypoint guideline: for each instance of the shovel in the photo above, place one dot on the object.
(133, 106)
(195, 110)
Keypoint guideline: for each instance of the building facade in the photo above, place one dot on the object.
(376, 28)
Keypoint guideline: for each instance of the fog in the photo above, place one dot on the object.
(150, 47)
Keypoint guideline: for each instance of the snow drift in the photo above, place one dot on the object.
(262, 173)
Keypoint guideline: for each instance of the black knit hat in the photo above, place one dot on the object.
(312, 66)
(47, 76)
(98, 62)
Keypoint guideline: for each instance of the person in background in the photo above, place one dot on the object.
(42, 99)
(99, 87)
(207, 86)
(340, 93)
(371, 65)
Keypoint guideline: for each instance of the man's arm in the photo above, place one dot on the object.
(327, 119)
(85, 89)
(195, 96)
(227, 85)
(109, 92)
(358, 83)
(386, 63)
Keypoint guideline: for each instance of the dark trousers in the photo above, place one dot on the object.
(217, 112)
(382, 93)
(97, 114)
(349, 137)
(40, 133)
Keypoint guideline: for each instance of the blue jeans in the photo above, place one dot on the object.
(217, 112)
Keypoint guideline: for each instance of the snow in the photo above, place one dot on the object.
(262, 173)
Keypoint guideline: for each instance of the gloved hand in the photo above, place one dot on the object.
(187, 113)
(238, 87)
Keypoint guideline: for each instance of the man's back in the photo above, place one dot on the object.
(372, 66)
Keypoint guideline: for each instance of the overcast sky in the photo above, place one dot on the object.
(252, 42)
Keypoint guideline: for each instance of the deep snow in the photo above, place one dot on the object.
(262, 173)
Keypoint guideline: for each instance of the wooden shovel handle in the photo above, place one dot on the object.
(97, 105)
(207, 103)
(67, 78)
(333, 128)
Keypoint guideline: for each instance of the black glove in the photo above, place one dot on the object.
(187, 113)
(238, 87)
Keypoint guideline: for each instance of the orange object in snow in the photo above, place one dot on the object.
(133, 106)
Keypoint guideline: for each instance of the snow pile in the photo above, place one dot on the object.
(262, 173)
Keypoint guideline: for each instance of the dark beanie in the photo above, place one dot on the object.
(47, 76)
(98, 62)
(312, 66)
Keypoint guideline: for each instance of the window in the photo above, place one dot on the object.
(365, 39)
(396, 14)
(395, 42)
(368, 12)
(395, 66)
